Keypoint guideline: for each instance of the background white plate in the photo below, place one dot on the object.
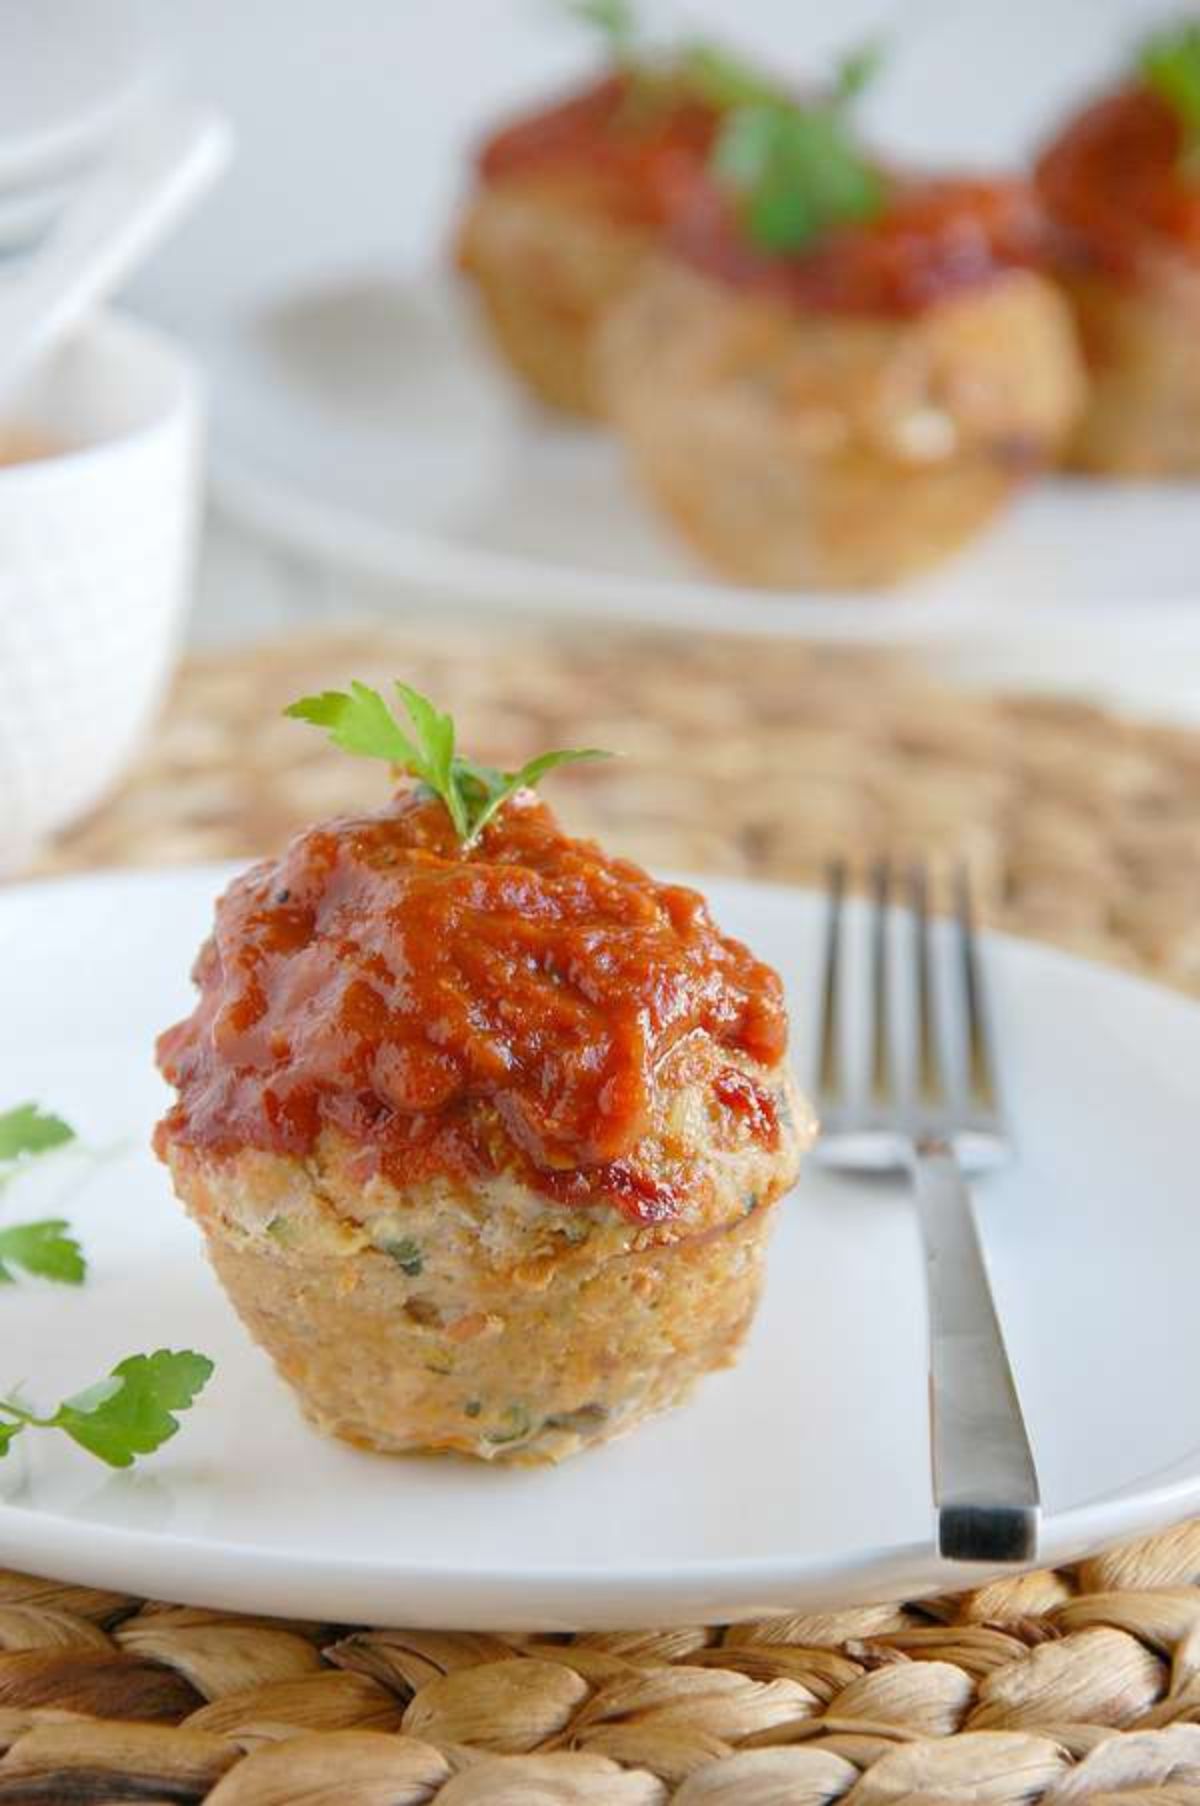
(799, 1479)
(367, 421)
(359, 427)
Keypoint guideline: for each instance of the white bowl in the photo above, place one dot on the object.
(71, 70)
(96, 546)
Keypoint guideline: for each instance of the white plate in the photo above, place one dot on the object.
(27, 213)
(368, 423)
(797, 1480)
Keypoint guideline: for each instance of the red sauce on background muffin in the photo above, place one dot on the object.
(379, 980)
(1114, 183)
(932, 239)
(632, 146)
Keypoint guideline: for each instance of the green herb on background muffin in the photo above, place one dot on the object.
(796, 167)
(1170, 65)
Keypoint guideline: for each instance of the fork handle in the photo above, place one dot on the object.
(985, 1485)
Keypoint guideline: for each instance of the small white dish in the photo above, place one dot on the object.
(797, 1480)
(368, 423)
(152, 174)
(96, 544)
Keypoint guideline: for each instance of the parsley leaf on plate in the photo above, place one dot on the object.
(47, 1250)
(133, 1412)
(130, 1413)
(28, 1129)
(360, 721)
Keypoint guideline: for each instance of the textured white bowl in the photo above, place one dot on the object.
(96, 550)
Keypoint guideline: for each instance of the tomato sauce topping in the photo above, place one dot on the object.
(932, 239)
(755, 1105)
(634, 148)
(378, 980)
(1114, 185)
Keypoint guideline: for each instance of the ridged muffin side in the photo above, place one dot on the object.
(482, 1317)
(547, 262)
(796, 449)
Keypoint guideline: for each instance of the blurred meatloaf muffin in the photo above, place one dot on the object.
(1121, 184)
(484, 1142)
(852, 409)
(566, 204)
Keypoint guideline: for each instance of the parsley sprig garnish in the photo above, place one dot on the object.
(615, 21)
(28, 1129)
(725, 80)
(1170, 65)
(857, 69)
(797, 168)
(134, 1410)
(360, 721)
(662, 77)
(130, 1413)
(46, 1249)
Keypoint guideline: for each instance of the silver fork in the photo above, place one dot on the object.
(935, 1123)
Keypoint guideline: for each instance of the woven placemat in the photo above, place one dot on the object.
(1075, 1685)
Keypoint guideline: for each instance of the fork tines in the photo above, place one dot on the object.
(928, 1070)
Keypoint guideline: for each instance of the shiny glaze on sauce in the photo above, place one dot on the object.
(633, 151)
(378, 981)
(1113, 184)
(932, 239)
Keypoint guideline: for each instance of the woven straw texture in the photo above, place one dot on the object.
(1080, 1685)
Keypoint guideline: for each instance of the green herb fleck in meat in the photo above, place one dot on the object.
(407, 1255)
(515, 1424)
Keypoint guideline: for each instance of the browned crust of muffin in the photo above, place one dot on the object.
(478, 1315)
(1141, 340)
(798, 449)
(548, 260)
(558, 1360)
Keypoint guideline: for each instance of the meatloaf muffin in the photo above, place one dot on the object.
(854, 411)
(485, 1141)
(566, 205)
(1121, 184)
